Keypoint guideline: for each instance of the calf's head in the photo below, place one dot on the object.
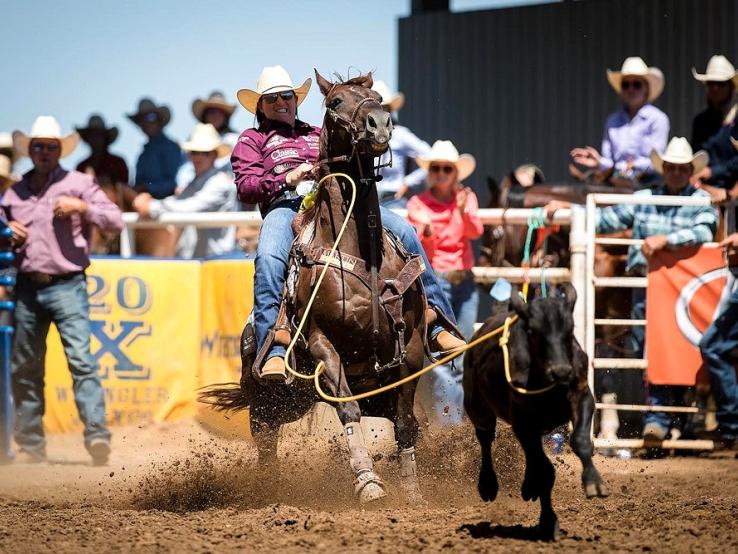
(549, 326)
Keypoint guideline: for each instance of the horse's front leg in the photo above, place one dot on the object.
(368, 486)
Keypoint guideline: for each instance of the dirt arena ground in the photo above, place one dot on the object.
(176, 487)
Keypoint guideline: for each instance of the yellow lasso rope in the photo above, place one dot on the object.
(504, 329)
(321, 365)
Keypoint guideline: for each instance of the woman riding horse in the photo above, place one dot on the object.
(270, 161)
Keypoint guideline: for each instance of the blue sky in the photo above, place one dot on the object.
(72, 58)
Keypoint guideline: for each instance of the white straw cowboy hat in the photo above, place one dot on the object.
(636, 67)
(97, 123)
(215, 100)
(445, 151)
(147, 106)
(678, 151)
(45, 127)
(272, 79)
(6, 176)
(393, 100)
(205, 138)
(719, 69)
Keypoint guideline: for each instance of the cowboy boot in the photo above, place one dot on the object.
(275, 368)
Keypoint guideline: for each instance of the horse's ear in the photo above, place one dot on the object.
(323, 83)
(366, 81)
(369, 80)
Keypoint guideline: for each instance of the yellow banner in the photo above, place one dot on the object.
(146, 332)
(227, 299)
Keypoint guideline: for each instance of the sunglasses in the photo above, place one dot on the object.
(198, 153)
(720, 84)
(635, 85)
(447, 169)
(272, 98)
(44, 146)
(677, 168)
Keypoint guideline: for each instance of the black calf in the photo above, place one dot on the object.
(542, 352)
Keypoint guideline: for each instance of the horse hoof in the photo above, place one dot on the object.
(593, 490)
(371, 493)
(369, 488)
(549, 531)
(413, 495)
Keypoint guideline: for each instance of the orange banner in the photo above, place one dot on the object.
(684, 290)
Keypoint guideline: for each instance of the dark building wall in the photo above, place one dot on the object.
(527, 84)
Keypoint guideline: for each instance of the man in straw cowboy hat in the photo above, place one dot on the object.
(271, 163)
(157, 165)
(211, 190)
(107, 168)
(216, 111)
(50, 211)
(720, 80)
(396, 187)
(660, 227)
(717, 345)
(632, 132)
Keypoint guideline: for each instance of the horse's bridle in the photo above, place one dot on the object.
(357, 135)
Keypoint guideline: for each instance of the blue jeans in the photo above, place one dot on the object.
(447, 390)
(275, 240)
(716, 346)
(66, 304)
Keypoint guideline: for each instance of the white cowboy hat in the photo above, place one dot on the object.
(6, 140)
(636, 67)
(719, 69)
(678, 151)
(97, 123)
(445, 151)
(46, 127)
(147, 106)
(6, 176)
(205, 138)
(394, 101)
(272, 79)
(215, 100)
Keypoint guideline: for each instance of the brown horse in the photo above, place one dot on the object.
(367, 324)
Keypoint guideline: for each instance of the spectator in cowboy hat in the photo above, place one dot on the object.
(107, 168)
(660, 228)
(157, 165)
(216, 111)
(211, 190)
(396, 187)
(446, 220)
(720, 80)
(50, 211)
(632, 132)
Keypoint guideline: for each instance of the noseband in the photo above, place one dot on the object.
(357, 135)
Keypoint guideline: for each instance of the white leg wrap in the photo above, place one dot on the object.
(609, 421)
(407, 462)
(358, 452)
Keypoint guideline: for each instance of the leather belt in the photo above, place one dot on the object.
(46, 279)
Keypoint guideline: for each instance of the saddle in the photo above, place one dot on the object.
(391, 291)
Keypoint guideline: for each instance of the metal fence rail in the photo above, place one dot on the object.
(593, 282)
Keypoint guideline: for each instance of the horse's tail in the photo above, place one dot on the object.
(225, 397)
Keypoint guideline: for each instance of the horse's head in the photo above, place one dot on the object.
(354, 116)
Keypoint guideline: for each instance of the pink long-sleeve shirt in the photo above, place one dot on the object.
(262, 158)
(449, 246)
(58, 245)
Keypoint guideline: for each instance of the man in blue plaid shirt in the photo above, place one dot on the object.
(660, 227)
